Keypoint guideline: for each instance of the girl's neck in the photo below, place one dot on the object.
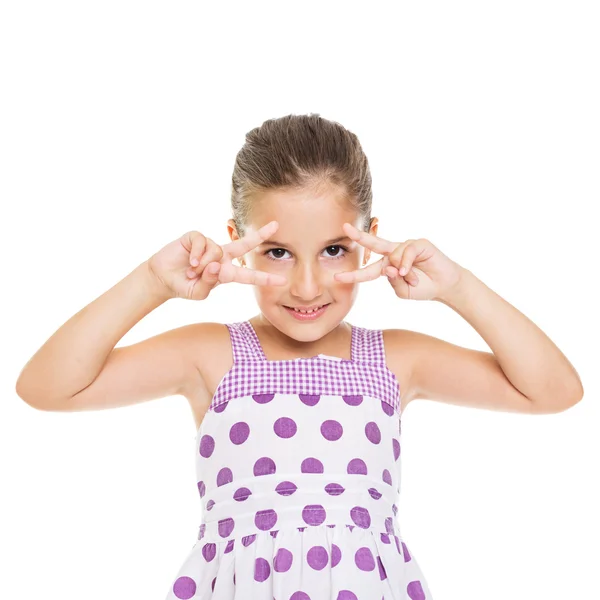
(335, 343)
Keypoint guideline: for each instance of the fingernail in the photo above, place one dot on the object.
(194, 262)
(403, 270)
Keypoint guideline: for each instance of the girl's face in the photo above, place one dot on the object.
(308, 248)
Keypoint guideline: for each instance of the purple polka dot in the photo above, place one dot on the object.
(372, 432)
(264, 466)
(248, 539)
(226, 526)
(313, 514)
(184, 588)
(224, 476)
(212, 584)
(311, 465)
(201, 488)
(353, 400)
(209, 550)
(389, 525)
(357, 466)
(285, 427)
(394, 509)
(386, 476)
(382, 573)
(334, 489)
(346, 595)
(263, 398)
(336, 554)
(299, 596)
(364, 559)
(415, 591)
(309, 399)
(374, 493)
(396, 448)
(283, 560)
(207, 445)
(317, 557)
(286, 488)
(385, 538)
(229, 547)
(220, 407)
(360, 516)
(331, 430)
(201, 531)
(210, 504)
(242, 494)
(239, 432)
(388, 409)
(405, 552)
(262, 570)
(265, 519)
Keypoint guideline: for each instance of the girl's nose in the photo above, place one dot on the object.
(307, 282)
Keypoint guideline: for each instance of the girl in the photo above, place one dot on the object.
(298, 412)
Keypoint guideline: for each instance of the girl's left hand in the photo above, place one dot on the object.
(429, 274)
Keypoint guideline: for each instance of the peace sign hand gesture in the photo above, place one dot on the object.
(416, 269)
(193, 265)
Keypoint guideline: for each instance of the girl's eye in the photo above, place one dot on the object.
(270, 256)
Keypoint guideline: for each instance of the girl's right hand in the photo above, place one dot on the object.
(175, 270)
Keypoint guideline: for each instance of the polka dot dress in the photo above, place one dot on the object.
(298, 468)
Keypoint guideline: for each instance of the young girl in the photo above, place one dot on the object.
(299, 412)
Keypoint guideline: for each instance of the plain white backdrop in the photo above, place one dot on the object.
(119, 125)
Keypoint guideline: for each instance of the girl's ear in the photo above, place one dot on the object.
(373, 225)
(233, 234)
(232, 230)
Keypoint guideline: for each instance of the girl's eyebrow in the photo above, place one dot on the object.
(327, 243)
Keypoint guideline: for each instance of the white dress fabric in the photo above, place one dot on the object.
(298, 471)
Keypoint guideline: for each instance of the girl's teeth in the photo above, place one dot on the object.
(307, 311)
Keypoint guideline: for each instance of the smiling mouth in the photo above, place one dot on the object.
(307, 311)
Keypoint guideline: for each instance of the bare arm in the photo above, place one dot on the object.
(73, 357)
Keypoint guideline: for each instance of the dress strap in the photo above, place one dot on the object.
(367, 345)
(244, 342)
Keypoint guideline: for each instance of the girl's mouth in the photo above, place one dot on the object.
(310, 316)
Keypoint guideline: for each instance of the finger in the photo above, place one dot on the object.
(252, 239)
(368, 273)
(411, 277)
(369, 240)
(253, 277)
(403, 257)
(210, 274)
(212, 253)
(197, 243)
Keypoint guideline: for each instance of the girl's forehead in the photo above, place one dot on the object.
(308, 214)
(306, 238)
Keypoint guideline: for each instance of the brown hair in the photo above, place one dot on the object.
(295, 152)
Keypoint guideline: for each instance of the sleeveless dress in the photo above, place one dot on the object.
(298, 470)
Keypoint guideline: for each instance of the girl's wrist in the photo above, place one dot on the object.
(152, 283)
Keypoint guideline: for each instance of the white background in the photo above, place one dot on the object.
(120, 122)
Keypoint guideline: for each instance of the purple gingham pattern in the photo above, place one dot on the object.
(365, 374)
